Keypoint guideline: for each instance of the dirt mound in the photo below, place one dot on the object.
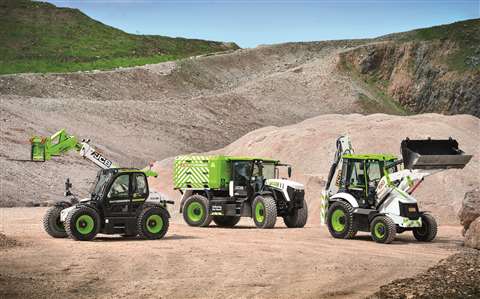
(454, 277)
(309, 146)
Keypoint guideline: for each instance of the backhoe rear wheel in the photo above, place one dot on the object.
(340, 220)
(428, 231)
(82, 223)
(226, 221)
(383, 229)
(152, 223)
(298, 218)
(264, 211)
(52, 224)
(195, 211)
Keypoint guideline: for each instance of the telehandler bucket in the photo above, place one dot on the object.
(433, 154)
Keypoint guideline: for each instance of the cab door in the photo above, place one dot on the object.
(140, 190)
(119, 196)
(241, 175)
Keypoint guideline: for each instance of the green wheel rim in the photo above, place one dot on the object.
(259, 212)
(379, 230)
(85, 224)
(336, 220)
(195, 211)
(154, 224)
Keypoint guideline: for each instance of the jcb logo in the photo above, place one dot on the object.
(97, 156)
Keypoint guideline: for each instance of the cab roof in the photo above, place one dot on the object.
(377, 157)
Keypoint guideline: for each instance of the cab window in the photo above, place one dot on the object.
(373, 171)
(120, 187)
(357, 177)
(140, 185)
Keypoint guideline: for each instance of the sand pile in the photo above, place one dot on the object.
(309, 146)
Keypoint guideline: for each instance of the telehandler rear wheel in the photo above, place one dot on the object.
(226, 221)
(383, 229)
(298, 218)
(340, 220)
(52, 224)
(428, 231)
(82, 223)
(152, 223)
(264, 211)
(195, 211)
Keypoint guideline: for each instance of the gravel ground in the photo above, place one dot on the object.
(457, 276)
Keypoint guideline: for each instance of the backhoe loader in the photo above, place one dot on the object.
(373, 193)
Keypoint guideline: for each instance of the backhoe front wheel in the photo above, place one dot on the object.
(195, 211)
(428, 231)
(52, 224)
(264, 211)
(340, 220)
(82, 223)
(152, 223)
(383, 229)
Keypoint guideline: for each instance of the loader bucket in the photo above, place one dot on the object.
(433, 154)
(38, 149)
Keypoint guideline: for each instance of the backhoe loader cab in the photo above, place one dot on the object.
(119, 203)
(225, 188)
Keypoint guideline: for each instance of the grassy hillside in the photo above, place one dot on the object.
(40, 37)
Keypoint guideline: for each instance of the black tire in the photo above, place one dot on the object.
(428, 231)
(298, 218)
(195, 211)
(52, 224)
(264, 211)
(82, 223)
(341, 212)
(226, 221)
(383, 229)
(152, 223)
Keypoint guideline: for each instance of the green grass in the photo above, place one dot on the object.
(39, 37)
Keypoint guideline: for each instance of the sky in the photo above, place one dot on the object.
(250, 23)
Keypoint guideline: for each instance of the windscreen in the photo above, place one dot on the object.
(268, 171)
(102, 178)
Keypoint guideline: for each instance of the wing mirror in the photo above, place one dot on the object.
(289, 171)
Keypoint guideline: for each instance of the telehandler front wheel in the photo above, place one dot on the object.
(428, 231)
(226, 221)
(195, 211)
(264, 211)
(52, 224)
(340, 220)
(82, 223)
(152, 223)
(383, 229)
(298, 218)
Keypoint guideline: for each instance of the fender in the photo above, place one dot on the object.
(189, 192)
(345, 197)
(63, 204)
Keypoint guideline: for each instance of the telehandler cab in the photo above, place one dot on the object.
(223, 189)
(372, 193)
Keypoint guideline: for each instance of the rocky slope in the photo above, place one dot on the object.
(427, 70)
(309, 146)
